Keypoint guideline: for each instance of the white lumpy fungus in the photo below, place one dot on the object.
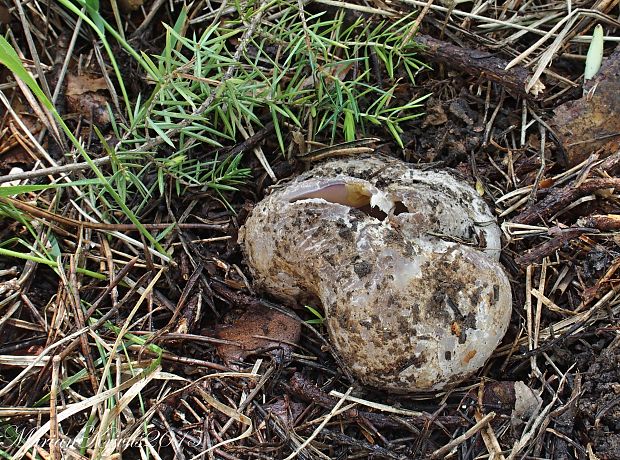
(404, 262)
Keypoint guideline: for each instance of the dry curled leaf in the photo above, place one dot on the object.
(85, 96)
(526, 401)
(592, 124)
(261, 328)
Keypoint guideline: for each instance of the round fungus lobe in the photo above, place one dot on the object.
(404, 261)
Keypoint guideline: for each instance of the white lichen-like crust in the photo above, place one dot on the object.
(404, 261)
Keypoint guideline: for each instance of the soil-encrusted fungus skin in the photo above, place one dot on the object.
(404, 261)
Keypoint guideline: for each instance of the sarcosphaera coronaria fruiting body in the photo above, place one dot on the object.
(404, 262)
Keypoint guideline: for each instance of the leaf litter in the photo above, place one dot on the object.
(551, 390)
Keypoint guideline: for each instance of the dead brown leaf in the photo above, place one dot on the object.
(435, 114)
(14, 156)
(85, 96)
(592, 124)
(257, 329)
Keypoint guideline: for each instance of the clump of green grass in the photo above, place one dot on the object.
(315, 73)
(311, 73)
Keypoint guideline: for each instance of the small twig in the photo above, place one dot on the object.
(308, 391)
(147, 20)
(529, 316)
(489, 439)
(174, 443)
(258, 151)
(560, 238)
(356, 7)
(482, 423)
(374, 450)
(489, 125)
(356, 147)
(543, 165)
(476, 62)
(604, 223)
(559, 198)
(13, 271)
(248, 400)
(55, 453)
(527, 435)
(378, 406)
(68, 52)
(318, 429)
(416, 24)
(251, 142)
(38, 213)
(283, 433)
(33, 48)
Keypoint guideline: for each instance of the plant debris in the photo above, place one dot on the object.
(118, 253)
